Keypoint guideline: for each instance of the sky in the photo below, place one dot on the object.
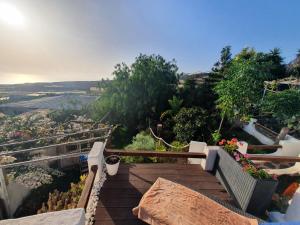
(64, 40)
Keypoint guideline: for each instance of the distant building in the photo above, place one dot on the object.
(95, 90)
(3, 99)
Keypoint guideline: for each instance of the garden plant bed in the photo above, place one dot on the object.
(38, 196)
(252, 195)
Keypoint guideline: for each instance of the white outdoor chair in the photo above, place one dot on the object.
(292, 213)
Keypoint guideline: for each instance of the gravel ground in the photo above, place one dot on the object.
(94, 198)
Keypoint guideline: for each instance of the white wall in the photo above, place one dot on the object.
(95, 157)
(65, 217)
(210, 152)
(250, 129)
(290, 146)
(16, 193)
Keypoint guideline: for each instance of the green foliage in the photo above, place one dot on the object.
(277, 68)
(159, 147)
(142, 141)
(284, 106)
(191, 124)
(167, 117)
(120, 137)
(191, 93)
(175, 104)
(216, 136)
(242, 87)
(178, 146)
(64, 200)
(224, 62)
(138, 93)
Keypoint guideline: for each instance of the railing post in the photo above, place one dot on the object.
(4, 192)
(198, 147)
(95, 157)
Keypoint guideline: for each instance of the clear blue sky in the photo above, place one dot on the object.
(83, 40)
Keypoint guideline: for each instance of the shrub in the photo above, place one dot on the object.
(64, 200)
(191, 124)
(141, 141)
(178, 146)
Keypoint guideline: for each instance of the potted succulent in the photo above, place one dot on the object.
(251, 187)
(112, 163)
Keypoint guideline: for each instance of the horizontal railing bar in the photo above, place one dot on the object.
(49, 158)
(85, 195)
(274, 158)
(144, 153)
(263, 147)
(53, 146)
(51, 137)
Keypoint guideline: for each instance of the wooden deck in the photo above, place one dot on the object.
(123, 192)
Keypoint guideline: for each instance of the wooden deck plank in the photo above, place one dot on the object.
(120, 193)
(140, 184)
(173, 177)
(123, 192)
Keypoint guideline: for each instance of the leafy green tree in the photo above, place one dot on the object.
(271, 62)
(191, 124)
(224, 60)
(284, 106)
(140, 92)
(207, 94)
(277, 68)
(241, 90)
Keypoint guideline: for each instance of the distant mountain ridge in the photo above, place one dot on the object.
(51, 86)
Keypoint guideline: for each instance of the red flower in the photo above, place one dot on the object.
(246, 156)
(234, 140)
(222, 142)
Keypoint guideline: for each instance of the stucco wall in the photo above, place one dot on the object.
(16, 193)
(65, 217)
(250, 129)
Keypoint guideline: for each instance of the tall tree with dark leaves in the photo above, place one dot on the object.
(277, 68)
(294, 66)
(140, 92)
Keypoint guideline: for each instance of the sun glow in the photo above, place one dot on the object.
(11, 15)
(13, 78)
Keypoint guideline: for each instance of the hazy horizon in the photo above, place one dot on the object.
(63, 40)
(41, 82)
